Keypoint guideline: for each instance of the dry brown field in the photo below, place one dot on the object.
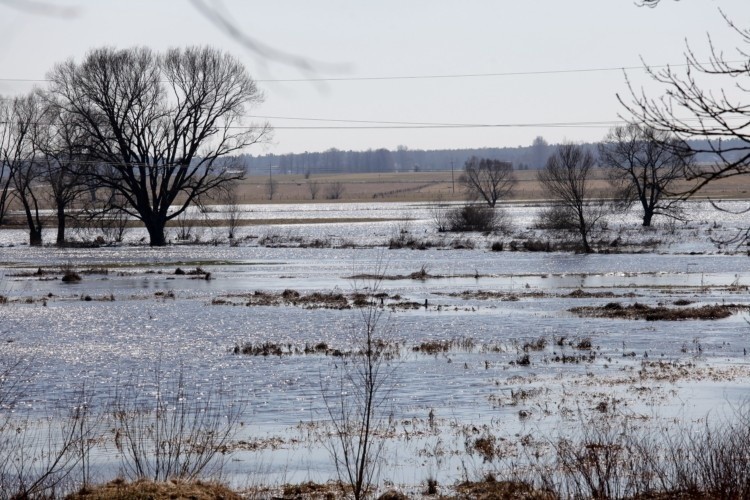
(427, 186)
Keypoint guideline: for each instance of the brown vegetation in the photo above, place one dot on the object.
(150, 490)
(491, 489)
(659, 313)
(440, 346)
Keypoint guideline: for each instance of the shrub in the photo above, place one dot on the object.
(556, 217)
(179, 434)
(537, 246)
(475, 218)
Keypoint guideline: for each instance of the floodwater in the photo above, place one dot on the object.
(142, 320)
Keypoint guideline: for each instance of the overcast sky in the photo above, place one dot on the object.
(539, 40)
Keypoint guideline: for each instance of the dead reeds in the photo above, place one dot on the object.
(637, 310)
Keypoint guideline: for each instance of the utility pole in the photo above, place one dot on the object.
(453, 178)
(270, 181)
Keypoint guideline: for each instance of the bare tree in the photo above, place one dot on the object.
(6, 175)
(314, 188)
(63, 164)
(567, 179)
(645, 164)
(20, 120)
(158, 123)
(717, 122)
(488, 179)
(272, 187)
(232, 210)
(335, 190)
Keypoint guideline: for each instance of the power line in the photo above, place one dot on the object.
(474, 75)
(406, 125)
(378, 125)
(436, 76)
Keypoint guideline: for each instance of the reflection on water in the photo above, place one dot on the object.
(107, 344)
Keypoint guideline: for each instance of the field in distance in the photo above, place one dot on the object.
(420, 186)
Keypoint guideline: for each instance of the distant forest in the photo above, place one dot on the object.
(404, 159)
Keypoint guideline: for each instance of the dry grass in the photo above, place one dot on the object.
(464, 344)
(149, 490)
(314, 491)
(491, 489)
(659, 313)
(428, 186)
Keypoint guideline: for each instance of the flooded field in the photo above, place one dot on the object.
(520, 346)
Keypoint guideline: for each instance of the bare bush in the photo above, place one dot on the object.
(232, 211)
(358, 402)
(170, 432)
(185, 226)
(112, 221)
(439, 215)
(476, 218)
(313, 187)
(612, 458)
(38, 455)
(555, 217)
(335, 190)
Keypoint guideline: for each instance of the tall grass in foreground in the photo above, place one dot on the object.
(616, 460)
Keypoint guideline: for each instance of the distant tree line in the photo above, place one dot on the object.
(403, 159)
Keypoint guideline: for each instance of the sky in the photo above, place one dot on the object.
(536, 63)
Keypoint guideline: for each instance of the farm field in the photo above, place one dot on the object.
(427, 186)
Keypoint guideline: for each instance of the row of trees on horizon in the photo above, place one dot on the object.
(403, 159)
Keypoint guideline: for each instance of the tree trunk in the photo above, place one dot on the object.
(155, 229)
(647, 215)
(35, 226)
(585, 242)
(584, 232)
(60, 226)
(35, 236)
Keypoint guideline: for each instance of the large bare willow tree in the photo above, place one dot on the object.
(157, 123)
(645, 164)
(487, 179)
